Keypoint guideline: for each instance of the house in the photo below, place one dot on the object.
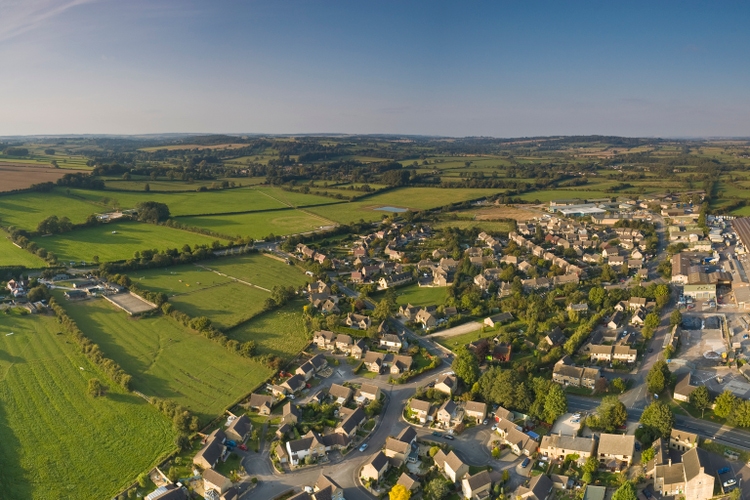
(357, 349)
(351, 422)
(615, 321)
(498, 319)
(689, 479)
(374, 361)
(476, 410)
(391, 342)
(324, 339)
(680, 268)
(283, 430)
(212, 480)
(636, 303)
(290, 414)
(408, 482)
(477, 487)
(262, 403)
(212, 451)
(503, 413)
(519, 442)
(426, 319)
(600, 353)
(398, 363)
(565, 373)
(624, 354)
(239, 429)
(397, 450)
(555, 337)
(682, 440)
(683, 389)
(540, 488)
(327, 489)
(501, 352)
(368, 392)
(452, 466)
(309, 445)
(340, 394)
(420, 409)
(357, 321)
(446, 383)
(449, 414)
(168, 492)
(375, 469)
(615, 450)
(639, 318)
(408, 311)
(294, 384)
(557, 446)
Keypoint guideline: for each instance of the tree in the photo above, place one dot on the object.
(96, 388)
(725, 403)
(433, 451)
(618, 385)
(596, 295)
(436, 489)
(648, 455)
(465, 366)
(659, 377)
(587, 477)
(555, 404)
(591, 465)
(651, 320)
(659, 417)
(700, 399)
(399, 492)
(625, 492)
(611, 414)
(152, 211)
(675, 318)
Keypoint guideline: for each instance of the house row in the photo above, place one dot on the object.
(518, 441)
(613, 451)
(609, 353)
(566, 373)
(330, 341)
(395, 364)
(308, 253)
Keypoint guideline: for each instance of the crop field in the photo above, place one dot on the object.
(84, 244)
(291, 198)
(20, 176)
(11, 255)
(260, 224)
(280, 332)
(175, 147)
(168, 361)
(54, 437)
(421, 296)
(260, 270)
(139, 185)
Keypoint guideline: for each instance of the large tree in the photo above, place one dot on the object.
(625, 492)
(725, 403)
(436, 489)
(658, 416)
(466, 367)
(700, 399)
(152, 211)
(659, 377)
(611, 414)
(399, 492)
(555, 404)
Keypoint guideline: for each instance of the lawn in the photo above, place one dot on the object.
(54, 437)
(168, 361)
(258, 225)
(484, 225)
(84, 244)
(421, 296)
(177, 280)
(260, 270)
(225, 305)
(280, 332)
(459, 340)
(11, 255)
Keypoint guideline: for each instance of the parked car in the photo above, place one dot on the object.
(230, 443)
(525, 462)
(363, 447)
(485, 422)
(729, 482)
(243, 447)
(437, 434)
(637, 446)
(494, 427)
(647, 493)
(449, 437)
(723, 470)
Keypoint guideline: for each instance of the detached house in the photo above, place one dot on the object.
(392, 342)
(358, 321)
(615, 450)
(340, 394)
(375, 469)
(239, 429)
(476, 411)
(452, 467)
(446, 383)
(212, 451)
(477, 487)
(449, 414)
(420, 409)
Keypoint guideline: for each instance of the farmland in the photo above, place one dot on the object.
(281, 332)
(11, 255)
(22, 176)
(26, 210)
(168, 361)
(52, 432)
(258, 225)
(260, 270)
(84, 244)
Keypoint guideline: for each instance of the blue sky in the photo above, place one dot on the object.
(503, 69)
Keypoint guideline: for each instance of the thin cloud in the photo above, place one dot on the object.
(20, 16)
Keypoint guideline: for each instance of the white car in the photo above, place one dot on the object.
(494, 427)
(730, 482)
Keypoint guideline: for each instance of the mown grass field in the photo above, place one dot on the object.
(168, 361)
(177, 280)
(484, 225)
(11, 255)
(56, 441)
(258, 225)
(260, 270)
(421, 296)
(560, 194)
(280, 332)
(26, 210)
(84, 244)
(225, 305)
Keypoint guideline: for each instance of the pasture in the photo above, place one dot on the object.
(421, 296)
(259, 225)
(55, 437)
(26, 210)
(280, 332)
(11, 255)
(84, 244)
(167, 360)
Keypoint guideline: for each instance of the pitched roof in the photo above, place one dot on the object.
(258, 400)
(616, 444)
(214, 477)
(318, 361)
(407, 435)
(540, 486)
(407, 481)
(475, 406)
(295, 382)
(447, 379)
(684, 436)
(290, 409)
(352, 420)
(568, 442)
(369, 389)
(393, 444)
(378, 461)
(214, 447)
(479, 480)
(339, 391)
(695, 461)
(241, 425)
(453, 461)
(418, 404)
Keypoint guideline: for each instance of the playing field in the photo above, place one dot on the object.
(258, 225)
(225, 305)
(168, 361)
(484, 225)
(131, 237)
(11, 255)
(280, 332)
(421, 296)
(260, 270)
(56, 441)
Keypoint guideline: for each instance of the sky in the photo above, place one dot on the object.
(501, 69)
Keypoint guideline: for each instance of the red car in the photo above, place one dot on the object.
(242, 447)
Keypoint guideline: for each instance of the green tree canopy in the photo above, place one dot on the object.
(555, 404)
(659, 377)
(465, 366)
(725, 403)
(625, 492)
(611, 414)
(152, 211)
(659, 417)
(700, 398)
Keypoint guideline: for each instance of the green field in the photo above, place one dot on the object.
(56, 441)
(280, 332)
(559, 194)
(225, 305)
(26, 210)
(177, 280)
(11, 255)
(421, 296)
(484, 225)
(167, 360)
(258, 225)
(260, 270)
(84, 244)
